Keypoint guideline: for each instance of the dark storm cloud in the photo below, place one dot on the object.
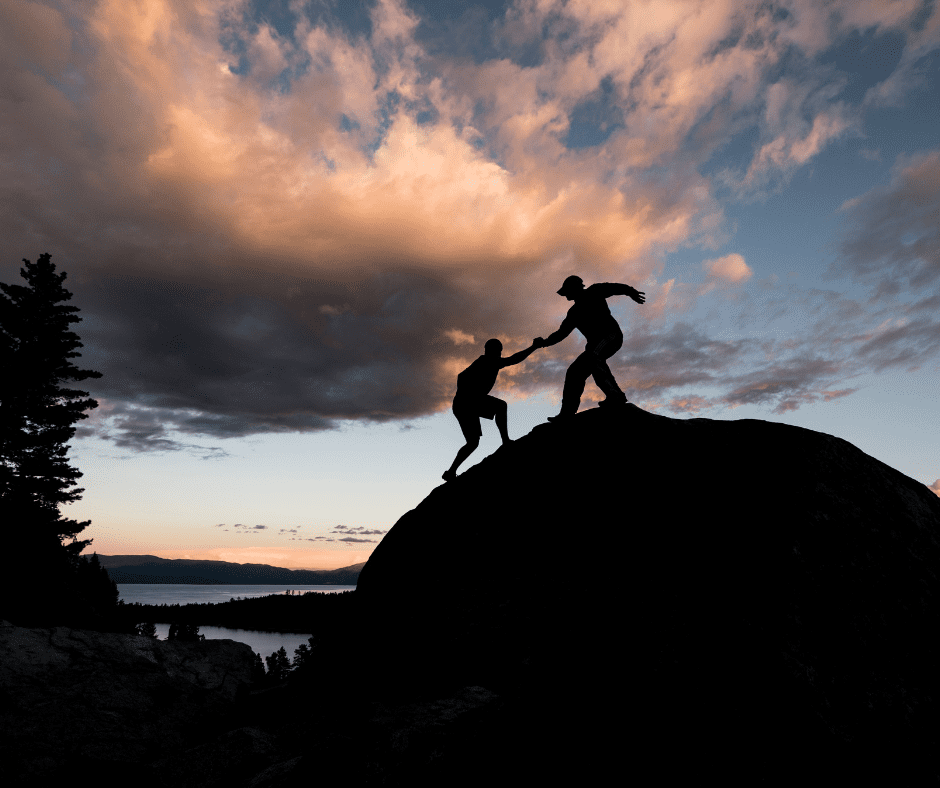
(266, 357)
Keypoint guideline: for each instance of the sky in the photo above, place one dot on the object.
(289, 225)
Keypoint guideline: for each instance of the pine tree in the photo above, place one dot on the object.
(37, 418)
(147, 629)
(304, 653)
(278, 665)
(257, 670)
(184, 632)
(95, 586)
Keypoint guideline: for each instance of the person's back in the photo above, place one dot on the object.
(590, 312)
(478, 379)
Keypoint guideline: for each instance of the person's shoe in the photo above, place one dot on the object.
(561, 418)
(448, 475)
(612, 401)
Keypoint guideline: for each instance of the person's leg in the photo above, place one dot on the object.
(462, 454)
(603, 377)
(575, 378)
(470, 427)
(607, 383)
(501, 422)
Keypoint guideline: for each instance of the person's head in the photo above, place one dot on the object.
(493, 347)
(571, 287)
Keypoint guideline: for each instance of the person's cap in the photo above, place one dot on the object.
(571, 285)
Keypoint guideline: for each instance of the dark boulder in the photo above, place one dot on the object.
(678, 597)
(76, 702)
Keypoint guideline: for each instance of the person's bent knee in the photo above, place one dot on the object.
(582, 364)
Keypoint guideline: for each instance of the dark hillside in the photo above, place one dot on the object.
(769, 597)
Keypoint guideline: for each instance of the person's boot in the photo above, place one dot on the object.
(566, 415)
(621, 400)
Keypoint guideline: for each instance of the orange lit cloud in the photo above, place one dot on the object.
(730, 268)
(330, 228)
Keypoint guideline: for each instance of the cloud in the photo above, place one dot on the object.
(458, 337)
(893, 234)
(359, 530)
(283, 229)
(731, 268)
(249, 528)
(935, 487)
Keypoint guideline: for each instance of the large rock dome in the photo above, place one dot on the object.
(737, 598)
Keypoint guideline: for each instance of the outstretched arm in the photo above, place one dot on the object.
(566, 327)
(522, 355)
(615, 288)
(635, 294)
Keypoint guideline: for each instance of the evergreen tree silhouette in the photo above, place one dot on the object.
(304, 653)
(95, 586)
(185, 632)
(146, 629)
(257, 670)
(278, 665)
(37, 418)
(301, 655)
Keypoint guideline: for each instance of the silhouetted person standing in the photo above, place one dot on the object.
(473, 401)
(591, 316)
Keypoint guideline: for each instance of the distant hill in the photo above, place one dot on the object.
(153, 569)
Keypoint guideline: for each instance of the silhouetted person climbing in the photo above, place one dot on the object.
(473, 401)
(591, 316)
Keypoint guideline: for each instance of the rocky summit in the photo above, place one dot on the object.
(674, 597)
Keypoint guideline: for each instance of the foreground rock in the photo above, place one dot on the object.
(675, 597)
(76, 701)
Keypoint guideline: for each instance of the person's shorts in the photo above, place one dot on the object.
(468, 414)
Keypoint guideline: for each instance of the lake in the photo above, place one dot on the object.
(263, 643)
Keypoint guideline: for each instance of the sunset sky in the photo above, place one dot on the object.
(289, 225)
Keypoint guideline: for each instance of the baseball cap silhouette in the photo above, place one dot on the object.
(571, 285)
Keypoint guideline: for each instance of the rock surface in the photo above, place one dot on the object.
(747, 598)
(673, 600)
(73, 699)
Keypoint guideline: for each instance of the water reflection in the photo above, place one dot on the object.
(263, 643)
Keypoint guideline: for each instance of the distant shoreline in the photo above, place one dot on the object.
(276, 612)
(151, 569)
(149, 580)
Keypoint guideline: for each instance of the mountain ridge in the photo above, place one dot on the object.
(153, 569)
